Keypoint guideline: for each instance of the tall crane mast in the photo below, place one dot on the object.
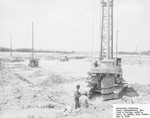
(106, 42)
(33, 61)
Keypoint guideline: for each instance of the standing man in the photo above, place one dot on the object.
(84, 101)
(77, 95)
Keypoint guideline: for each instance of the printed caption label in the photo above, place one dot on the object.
(131, 111)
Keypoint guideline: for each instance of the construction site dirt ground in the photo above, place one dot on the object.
(48, 91)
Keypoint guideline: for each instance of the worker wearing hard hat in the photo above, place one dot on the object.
(77, 95)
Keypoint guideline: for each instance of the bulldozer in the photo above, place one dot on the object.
(106, 75)
(33, 60)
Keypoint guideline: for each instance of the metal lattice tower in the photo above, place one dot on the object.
(106, 43)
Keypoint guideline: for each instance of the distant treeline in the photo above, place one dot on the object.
(3, 49)
(135, 53)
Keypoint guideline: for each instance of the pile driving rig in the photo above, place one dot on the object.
(33, 61)
(106, 75)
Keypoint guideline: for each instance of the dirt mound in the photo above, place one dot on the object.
(40, 73)
(129, 92)
(136, 61)
(49, 58)
(18, 92)
(53, 79)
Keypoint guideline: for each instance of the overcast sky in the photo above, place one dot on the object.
(67, 24)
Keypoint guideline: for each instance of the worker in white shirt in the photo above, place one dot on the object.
(84, 100)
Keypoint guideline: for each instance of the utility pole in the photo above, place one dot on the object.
(136, 48)
(11, 46)
(117, 42)
(32, 40)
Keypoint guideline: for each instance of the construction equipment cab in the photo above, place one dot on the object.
(33, 63)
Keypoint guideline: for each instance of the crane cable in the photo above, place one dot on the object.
(117, 27)
(92, 29)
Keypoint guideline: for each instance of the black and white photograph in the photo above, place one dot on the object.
(74, 58)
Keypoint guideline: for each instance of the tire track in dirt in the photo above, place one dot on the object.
(23, 79)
